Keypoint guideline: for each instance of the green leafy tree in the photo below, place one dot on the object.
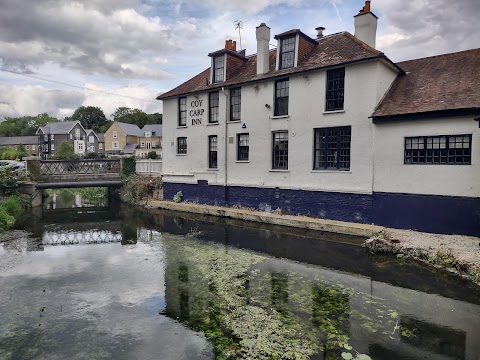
(66, 151)
(25, 125)
(136, 116)
(9, 153)
(91, 117)
(21, 152)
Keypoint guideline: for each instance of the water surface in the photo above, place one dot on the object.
(121, 283)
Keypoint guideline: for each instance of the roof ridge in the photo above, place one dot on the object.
(440, 55)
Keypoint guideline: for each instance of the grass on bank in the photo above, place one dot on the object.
(12, 208)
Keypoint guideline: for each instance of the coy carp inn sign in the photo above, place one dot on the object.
(197, 112)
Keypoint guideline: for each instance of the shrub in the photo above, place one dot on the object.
(13, 206)
(6, 220)
(91, 155)
(152, 155)
(128, 166)
(139, 188)
(11, 179)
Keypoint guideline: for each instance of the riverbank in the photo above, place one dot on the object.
(12, 208)
(456, 253)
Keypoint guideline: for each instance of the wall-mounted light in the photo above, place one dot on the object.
(267, 106)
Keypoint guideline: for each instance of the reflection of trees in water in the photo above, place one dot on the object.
(78, 197)
(251, 306)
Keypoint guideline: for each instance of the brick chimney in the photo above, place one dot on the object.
(230, 45)
(366, 25)
(263, 41)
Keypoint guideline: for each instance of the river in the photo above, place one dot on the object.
(118, 282)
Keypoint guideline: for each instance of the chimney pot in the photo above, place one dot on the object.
(319, 31)
(234, 46)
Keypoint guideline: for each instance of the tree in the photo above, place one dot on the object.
(25, 125)
(91, 117)
(136, 116)
(9, 153)
(66, 151)
(21, 152)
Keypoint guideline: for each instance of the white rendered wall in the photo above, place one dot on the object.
(365, 85)
(392, 175)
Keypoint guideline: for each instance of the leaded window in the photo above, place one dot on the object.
(181, 145)
(332, 148)
(287, 52)
(182, 111)
(212, 152)
(444, 149)
(281, 98)
(235, 104)
(243, 147)
(335, 89)
(280, 150)
(218, 68)
(213, 99)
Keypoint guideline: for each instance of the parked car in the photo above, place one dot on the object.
(15, 164)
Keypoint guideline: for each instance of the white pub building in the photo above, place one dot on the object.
(330, 128)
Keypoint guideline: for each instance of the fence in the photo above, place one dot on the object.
(149, 167)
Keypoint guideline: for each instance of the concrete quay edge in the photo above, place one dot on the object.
(298, 221)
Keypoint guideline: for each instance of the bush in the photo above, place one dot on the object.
(13, 206)
(139, 188)
(6, 220)
(152, 155)
(91, 155)
(11, 179)
(128, 166)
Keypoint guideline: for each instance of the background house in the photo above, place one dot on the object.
(54, 133)
(151, 140)
(31, 144)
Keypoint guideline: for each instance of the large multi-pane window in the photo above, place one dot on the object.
(280, 150)
(213, 98)
(235, 104)
(181, 145)
(445, 149)
(332, 148)
(182, 111)
(281, 98)
(287, 52)
(243, 147)
(212, 152)
(335, 89)
(218, 68)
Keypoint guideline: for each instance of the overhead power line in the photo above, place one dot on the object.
(78, 86)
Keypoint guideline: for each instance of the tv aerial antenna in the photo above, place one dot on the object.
(239, 25)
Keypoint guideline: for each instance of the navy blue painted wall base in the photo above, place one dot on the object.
(438, 214)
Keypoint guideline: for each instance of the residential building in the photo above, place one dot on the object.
(92, 142)
(29, 143)
(292, 128)
(151, 140)
(122, 138)
(101, 143)
(53, 134)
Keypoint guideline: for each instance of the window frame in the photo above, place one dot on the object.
(115, 145)
(246, 148)
(114, 134)
(289, 52)
(215, 107)
(340, 160)
(213, 152)
(280, 99)
(182, 148)
(427, 150)
(335, 93)
(182, 111)
(218, 68)
(277, 154)
(236, 103)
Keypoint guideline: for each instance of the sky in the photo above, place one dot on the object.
(57, 55)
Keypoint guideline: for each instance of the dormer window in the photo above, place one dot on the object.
(287, 52)
(218, 68)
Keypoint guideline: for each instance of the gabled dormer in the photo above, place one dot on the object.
(226, 62)
(293, 46)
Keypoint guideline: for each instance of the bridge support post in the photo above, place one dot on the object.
(37, 198)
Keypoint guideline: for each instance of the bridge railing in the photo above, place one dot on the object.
(90, 166)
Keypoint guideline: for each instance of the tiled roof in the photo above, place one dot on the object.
(437, 83)
(129, 148)
(331, 50)
(17, 140)
(130, 129)
(61, 127)
(154, 128)
(101, 137)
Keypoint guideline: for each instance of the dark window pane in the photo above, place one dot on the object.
(280, 150)
(212, 152)
(182, 111)
(218, 68)
(235, 104)
(281, 98)
(181, 145)
(287, 52)
(213, 100)
(335, 89)
(444, 149)
(332, 148)
(243, 147)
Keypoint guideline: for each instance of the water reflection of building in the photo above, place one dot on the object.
(378, 318)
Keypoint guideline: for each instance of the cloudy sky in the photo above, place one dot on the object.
(73, 53)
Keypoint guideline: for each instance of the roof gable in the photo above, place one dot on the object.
(130, 129)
